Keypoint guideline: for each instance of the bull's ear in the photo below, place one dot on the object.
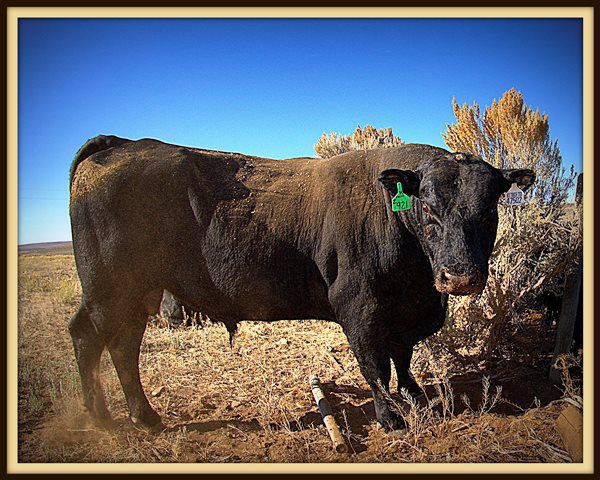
(410, 181)
(523, 177)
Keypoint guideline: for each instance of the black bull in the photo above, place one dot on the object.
(247, 238)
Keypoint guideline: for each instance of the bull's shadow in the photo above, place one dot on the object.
(522, 386)
(524, 382)
(212, 425)
(355, 411)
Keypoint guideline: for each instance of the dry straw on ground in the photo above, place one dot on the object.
(251, 403)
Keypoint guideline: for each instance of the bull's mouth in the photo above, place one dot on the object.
(460, 282)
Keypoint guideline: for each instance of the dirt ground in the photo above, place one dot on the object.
(252, 402)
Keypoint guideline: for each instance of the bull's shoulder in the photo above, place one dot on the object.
(350, 182)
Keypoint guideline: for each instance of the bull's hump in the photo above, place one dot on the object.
(409, 156)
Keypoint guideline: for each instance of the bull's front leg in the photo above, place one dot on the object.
(367, 338)
(401, 356)
(431, 309)
(358, 312)
(374, 363)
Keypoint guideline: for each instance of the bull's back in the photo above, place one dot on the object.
(202, 224)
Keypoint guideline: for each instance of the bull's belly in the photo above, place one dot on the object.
(253, 300)
(267, 290)
(242, 276)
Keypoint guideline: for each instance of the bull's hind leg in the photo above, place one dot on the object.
(88, 347)
(124, 350)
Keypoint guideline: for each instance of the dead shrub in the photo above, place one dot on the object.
(369, 138)
(537, 242)
(536, 246)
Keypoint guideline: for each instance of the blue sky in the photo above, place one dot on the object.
(271, 87)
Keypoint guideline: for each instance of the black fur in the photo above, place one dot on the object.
(94, 145)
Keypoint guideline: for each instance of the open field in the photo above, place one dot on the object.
(252, 402)
(47, 248)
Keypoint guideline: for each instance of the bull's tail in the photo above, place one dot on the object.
(94, 145)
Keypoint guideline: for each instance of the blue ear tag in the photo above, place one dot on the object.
(400, 201)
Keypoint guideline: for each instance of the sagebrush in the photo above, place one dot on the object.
(368, 138)
(537, 242)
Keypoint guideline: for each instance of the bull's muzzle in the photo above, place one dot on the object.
(460, 280)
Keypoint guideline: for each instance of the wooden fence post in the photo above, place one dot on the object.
(571, 298)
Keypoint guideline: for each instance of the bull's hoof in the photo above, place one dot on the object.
(155, 427)
(413, 390)
(100, 418)
(391, 422)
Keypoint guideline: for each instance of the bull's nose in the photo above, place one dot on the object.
(454, 282)
(466, 282)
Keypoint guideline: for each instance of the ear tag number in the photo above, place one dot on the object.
(400, 201)
(514, 196)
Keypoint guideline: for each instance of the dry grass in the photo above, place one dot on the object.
(249, 403)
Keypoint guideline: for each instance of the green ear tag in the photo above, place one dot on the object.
(401, 201)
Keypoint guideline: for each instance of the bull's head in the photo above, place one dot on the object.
(454, 213)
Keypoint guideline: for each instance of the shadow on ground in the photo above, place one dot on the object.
(520, 368)
(523, 387)
(212, 425)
